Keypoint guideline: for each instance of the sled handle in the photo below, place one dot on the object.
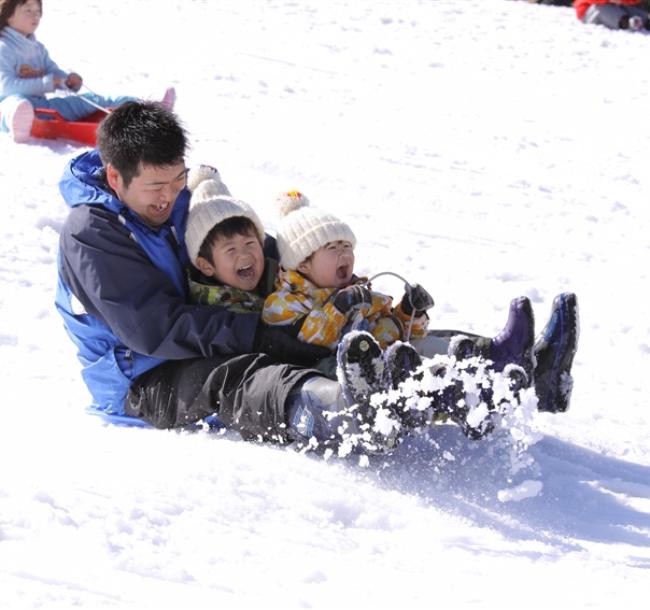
(407, 336)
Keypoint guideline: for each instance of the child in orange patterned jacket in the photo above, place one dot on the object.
(319, 298)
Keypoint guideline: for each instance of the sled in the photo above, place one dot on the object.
(50, 125)
(210, 423)
(118, 420)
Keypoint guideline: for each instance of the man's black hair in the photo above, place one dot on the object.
(140, 133)
(235, 225)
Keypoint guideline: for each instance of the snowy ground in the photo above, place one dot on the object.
(485, 149)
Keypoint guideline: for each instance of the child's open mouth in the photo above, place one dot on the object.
(343, 272)
(246, 271)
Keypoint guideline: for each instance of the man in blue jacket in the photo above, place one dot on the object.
(122, 291)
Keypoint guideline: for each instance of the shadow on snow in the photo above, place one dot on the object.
(585, 496)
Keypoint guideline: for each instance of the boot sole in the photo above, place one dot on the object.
(360, 367)
(21, 123)
(401, 359)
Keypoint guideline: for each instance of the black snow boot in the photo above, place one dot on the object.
(360, 366)
(360, 372)
(554, 352)
(469, 398)
(400, 360)
(401, 363)
(445, 392)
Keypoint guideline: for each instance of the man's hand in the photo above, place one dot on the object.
(352, 298)
(277, 343)
(416, 298)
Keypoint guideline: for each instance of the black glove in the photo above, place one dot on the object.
(352, 297)
(281, 346)
(416, 298)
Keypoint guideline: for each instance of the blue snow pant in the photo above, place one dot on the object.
(614, 16)
(71, 108)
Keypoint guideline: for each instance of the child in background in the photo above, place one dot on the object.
(27, 74)
(614, 14)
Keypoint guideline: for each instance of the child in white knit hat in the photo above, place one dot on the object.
(317, 289)
(320, 300)
(224, 239)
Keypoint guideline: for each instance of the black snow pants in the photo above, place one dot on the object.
(247, 393)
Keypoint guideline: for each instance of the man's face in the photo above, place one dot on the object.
(151, 194)
(238, 261)
(26, 17)
(330, 266)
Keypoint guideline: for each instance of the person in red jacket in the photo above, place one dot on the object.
(614, 14)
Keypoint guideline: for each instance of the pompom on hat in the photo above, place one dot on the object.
(211, 203)
(303, 229)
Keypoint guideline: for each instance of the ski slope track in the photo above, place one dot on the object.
(485, 149)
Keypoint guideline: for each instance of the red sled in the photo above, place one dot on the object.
(49, 124)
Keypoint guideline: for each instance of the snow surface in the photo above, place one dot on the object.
(486, 149)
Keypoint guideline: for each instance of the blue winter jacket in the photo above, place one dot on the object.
(122, 290)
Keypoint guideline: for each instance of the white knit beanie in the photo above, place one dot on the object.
(211, 204)
(303, 230)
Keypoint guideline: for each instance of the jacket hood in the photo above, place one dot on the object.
(83, 183)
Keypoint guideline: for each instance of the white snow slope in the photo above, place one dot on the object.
(486, 149)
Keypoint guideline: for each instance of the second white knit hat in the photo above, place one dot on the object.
(211, 204)
(303, 230)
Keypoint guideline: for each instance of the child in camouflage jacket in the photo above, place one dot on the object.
(225, 243)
